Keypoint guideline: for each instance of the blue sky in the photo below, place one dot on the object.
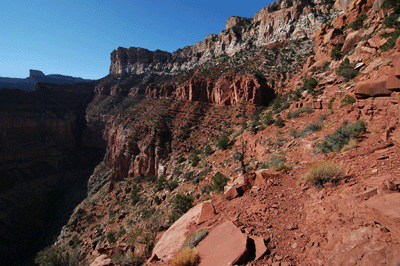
(76, 38)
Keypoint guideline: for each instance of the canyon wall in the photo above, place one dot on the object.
(42, 159)
(283, 20)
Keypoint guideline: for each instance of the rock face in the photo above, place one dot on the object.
(225, 245)
(227, 90)
(40, 152)
(281, 21)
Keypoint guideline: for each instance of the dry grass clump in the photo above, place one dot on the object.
(352, 143)
(186, 257)
(321, 173)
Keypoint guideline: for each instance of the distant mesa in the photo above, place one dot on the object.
(34, 76)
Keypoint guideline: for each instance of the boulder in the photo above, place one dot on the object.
(234, 192)
(102, 260)
(225, 245)
(385, 210)
(262, 176)
(173, 239)
(372, 88)
(259, 244)
(393, 82)
(207, 212)
(352, 40)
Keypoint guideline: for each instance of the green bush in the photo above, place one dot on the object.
(347, 100)
(172, 185)
(346, 70)
(275, 163)
(135, 197)
(342, 135)
(223, 142)
(111, 237)
(181, 160)
(268, 119)
(310, 128)
(279, 122)
(207, 150)
(296, 113)
(359, 22)
(389, 44)
(193, 240)
(219, 182)
(331, 102)
(182, 203)
(309, 85)
(321, 173)
(336, 53)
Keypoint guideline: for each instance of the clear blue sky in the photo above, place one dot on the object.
(76, 38)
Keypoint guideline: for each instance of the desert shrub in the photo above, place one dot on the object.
(180, 205)
(160, 184)
(223, 142)
(135, 197)
(172, 185)
(193, 158)
(391, 42)
(275, 162)
(310, 128)
(186, 257)
(219, 182)
(268, 119)
(80, 213)
(157, 200)
(326, 65)
(321, 173)
(331, 102)
(309, 85)
(181, 160)
(347, 100)
(352, 143)
(188, 175)
(52, 256)
(336, 53)
(111, 237)
(279, 122)
(255, 123)
(207, 150)
(358, 23)
(193, 240)
(346, 70)
(296, 113)
(151, 178)
(342, 135)
(196, 180)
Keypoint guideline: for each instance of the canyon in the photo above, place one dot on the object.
(213, 144)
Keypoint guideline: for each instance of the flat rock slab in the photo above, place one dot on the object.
(386, 211)
(225, 245)
(173, 239)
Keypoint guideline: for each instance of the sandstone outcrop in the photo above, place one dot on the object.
(227, 90)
